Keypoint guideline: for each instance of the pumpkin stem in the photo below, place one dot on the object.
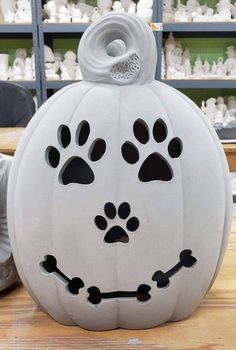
(119, 49)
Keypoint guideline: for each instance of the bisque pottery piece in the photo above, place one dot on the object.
(132, 8)
(213, 68)
(198, 70)
(51, 64)
(221, 69)
(221, 111)
(96, 15)
(23, 11)
(104, 6)
(206, 68)
(51, 10)
(64, 15)
(145, 10)
(110, 226)
(126, 4)
(230, 62)
(186, 63)
(18, 68)
(4, 63)
(210, 109)
(4, 73)
(76, 16)
(224, 10)
(28, 69)
(85, 9)
(233, 11)
(7, 8)
(8, 273)
(168, 12)
(117, 6)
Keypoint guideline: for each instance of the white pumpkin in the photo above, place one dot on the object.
(119, 199)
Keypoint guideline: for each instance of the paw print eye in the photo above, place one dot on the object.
(64, 136)
(141, 132)
(159, 131)
(82, 133)
(155, 167)
(76, 169)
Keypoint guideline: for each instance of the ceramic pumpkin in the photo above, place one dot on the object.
(119, 198)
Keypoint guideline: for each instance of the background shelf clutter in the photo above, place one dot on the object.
(79, 12)
(15, 11)
(177, 62)
(198, 11)
(59, 66)
(199, 59)
(22, 68)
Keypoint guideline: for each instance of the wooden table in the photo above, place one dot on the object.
(230, 151)
(212, 327)
(9, 138)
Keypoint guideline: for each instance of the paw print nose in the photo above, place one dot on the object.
(116, 233)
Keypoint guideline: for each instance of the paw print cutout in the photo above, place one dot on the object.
(117, 233)
(75, 169)
(155, 166)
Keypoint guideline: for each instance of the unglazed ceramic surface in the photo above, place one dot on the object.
(118, 215)
(8, 273)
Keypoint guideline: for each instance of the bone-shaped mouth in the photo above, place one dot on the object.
(185, 260)
(95, 296)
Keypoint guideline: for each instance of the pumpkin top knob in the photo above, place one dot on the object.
(119, 49)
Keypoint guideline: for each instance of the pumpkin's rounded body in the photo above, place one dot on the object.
(125, 267)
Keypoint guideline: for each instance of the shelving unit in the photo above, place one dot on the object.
(185, 30)
(43, 33)
(29, 31)
(195, 30)
(46, 34)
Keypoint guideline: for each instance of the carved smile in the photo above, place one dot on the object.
(162, 279)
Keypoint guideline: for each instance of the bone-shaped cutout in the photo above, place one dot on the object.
(142, 294)
(73, 285)
(185, 260)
